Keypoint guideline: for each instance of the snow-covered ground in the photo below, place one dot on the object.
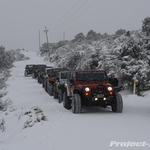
(94, 129)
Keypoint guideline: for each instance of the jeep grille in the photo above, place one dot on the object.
(101, 88)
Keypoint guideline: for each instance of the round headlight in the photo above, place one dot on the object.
(87, 89)
(109, 88)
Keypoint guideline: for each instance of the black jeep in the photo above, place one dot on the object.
(37, 68)
(28, 70)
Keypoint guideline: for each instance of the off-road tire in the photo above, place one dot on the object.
(38, 79)
(51, 89)
(45, 87)
(117, 105)
(60, 95)
(76, 104)
(43, 83)
(33, 76)
(55, 94)
(66, 101)
(25, 74)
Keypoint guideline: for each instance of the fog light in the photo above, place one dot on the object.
(96, 99)
(104, 99)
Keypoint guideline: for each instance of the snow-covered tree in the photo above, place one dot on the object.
(92, 35)
(146, 26)
(79, 37)
(135, 63)
(120, 31)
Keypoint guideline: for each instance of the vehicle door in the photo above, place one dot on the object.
(68, 84)
(72, 85)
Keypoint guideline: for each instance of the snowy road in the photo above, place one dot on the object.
(94, 129)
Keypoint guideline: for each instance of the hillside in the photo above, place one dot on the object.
(127, 55)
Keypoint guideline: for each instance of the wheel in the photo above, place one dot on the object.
(25, 74)
(51, 88)
(43, 83)
(117, 106)
(55, 94)
(33, 75)
(76, 104)
(60, 95)
(38, 79)
(66, 101)
(45, 86)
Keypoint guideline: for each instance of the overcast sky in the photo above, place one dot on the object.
(21, 20)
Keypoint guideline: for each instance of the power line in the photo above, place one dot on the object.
(83, 11)
(78, 15)
(66, 13)
(70, 15)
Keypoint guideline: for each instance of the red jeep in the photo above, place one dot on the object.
(51, 79)
(90, 88)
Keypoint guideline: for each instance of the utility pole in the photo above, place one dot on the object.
(39, 41)
(47, 39)
(64, 36)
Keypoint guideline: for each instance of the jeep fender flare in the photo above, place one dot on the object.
(78, 91)
(51, 83)
(65, 90)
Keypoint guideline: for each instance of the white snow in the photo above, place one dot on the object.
(93, 129)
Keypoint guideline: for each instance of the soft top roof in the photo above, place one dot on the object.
(48, 67)
(59, 68)
(30, 65)
(89, 71)
(40, 65)
(63, 71)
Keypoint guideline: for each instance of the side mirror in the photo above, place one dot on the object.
(72, 81)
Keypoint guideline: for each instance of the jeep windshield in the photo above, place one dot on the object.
(29, 66)
(64, 75)
(91, 76)
(54, 72)
(39, 66)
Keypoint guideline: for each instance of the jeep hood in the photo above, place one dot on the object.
(94, 84)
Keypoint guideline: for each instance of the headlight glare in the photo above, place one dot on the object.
(109, 88)
(87, 89)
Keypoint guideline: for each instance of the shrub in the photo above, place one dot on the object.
(4, 104)
(2, 127)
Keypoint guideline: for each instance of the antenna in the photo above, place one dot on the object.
(39, 42)
(47, 39)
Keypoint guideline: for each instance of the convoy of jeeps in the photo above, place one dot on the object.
(77, 88)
